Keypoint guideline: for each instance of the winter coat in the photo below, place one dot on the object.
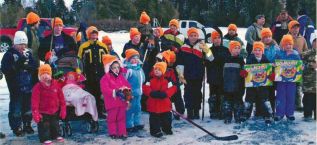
(283, 55)
(157, 105)
(260, 91)
(309, 73)
(232, 80)
(150, 59)
(279, 28)
(215, 67)
(90, 54)
(108, 85)
(271, 50)
(33, 42)
(146, 31)
(253, 33)
(48, 99)
(307, 26)
(69, 46)
(139, 47)
(135, 77)
(171, 41)
(190, 61)
(300, 44)
(18, 69)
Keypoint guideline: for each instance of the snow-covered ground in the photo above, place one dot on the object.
(253, 132)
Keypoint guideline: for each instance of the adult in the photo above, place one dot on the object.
(254, 32)
(307, 26)
(62, 43)
(18, 66)
(90, 53)
(279, 27)
(172, 39)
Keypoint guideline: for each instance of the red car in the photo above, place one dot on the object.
(45, 28)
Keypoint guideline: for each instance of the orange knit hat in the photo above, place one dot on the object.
(266, 32)
(144, 18)
(45, 68)
(57, 21)
(108, 60)
(134, 32)
(130, 53)
(161, 66)
(214, 35)
(258, 44)
(192, 30)
(90, 30)
(32, 18)
(174, 22)
(233, 27)
(106, 40)
(160, 30)
(234, 44)
(291, 24)
(169, 56)
(287, 39)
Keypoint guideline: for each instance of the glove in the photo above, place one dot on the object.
(272, 76)
(62, 114)
(204, 47)
(158, 94)
(21, 61)
(48, 55)
(182, 79)
(244, 73)
(120, 94)
(36, 116)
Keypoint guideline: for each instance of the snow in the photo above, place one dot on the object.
(253, 132)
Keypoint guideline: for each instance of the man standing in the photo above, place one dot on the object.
(254, 32)
(279, 27)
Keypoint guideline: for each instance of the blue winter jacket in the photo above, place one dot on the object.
(232, 80)
(282, 55)
(270, 51)
(18, 69)
(135, 76)
(307, 27)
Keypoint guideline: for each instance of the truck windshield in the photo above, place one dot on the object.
(193, 24)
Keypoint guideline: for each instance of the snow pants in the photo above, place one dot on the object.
(160, 121)
(232, 104)
(215, 99)
(193, 94)
(48, 127)
(285, 99)
(134, 112)
(309, 102)
(116, 121)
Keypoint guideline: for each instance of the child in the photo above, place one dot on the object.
(18, 66)
(107, 41)
(112, 85)
(258, 93)
(190, 69)
(159, 104)
(286, 91)
(233, 84)
(233, 35)
(136, 78)
(82, 100)
(172, 38)
(271, 48)
(134, 43)
(309, 80)
(48, 105)
(215, 75)
(145, 27)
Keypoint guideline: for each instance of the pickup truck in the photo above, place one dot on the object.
(7, 34)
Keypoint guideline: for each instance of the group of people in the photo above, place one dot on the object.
(148, 76)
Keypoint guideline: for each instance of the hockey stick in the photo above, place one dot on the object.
(223, 138)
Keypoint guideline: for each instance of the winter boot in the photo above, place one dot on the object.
(18, 132)
(190, 113)
(158, 134)
(138, 127)
(290, 118)
(27, 128)
(196, 114)
(2, 135)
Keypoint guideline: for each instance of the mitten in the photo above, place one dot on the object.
(36, 116)
(48, 55)
(243, 73)
(158, 94)
(272, 77)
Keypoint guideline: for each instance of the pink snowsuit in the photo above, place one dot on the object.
(115, 107)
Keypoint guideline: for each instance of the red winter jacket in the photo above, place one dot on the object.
(48, 99)
(156, 105)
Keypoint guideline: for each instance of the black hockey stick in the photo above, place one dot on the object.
(224, 138)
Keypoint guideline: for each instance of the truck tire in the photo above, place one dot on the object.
(5, 44)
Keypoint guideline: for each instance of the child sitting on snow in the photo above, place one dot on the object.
(136, 78)
(82, 100)
(112, 86)
(159, 91)
(48, 105)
